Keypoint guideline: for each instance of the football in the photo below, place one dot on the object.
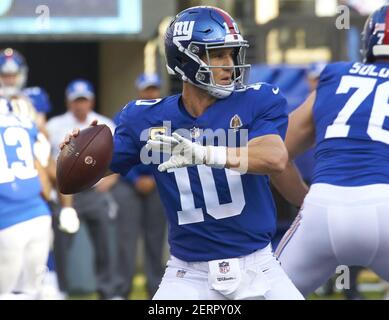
(85, 160)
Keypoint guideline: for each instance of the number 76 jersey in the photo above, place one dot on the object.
(351, 115)
(212, 213)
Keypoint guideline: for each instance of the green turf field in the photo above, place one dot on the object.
(366, 277)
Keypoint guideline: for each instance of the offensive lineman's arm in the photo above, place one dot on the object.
(299, 138)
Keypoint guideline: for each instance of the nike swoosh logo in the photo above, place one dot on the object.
(275, 90)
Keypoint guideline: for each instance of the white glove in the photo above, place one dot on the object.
(68, 220)
(185, 153)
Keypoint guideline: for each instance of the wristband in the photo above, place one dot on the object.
(216, 157)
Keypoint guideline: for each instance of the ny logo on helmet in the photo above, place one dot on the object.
(183, 29)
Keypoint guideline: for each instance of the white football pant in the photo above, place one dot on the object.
(24, 250)
(337, 226)
(190, 280)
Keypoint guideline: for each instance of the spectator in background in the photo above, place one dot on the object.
(94, 206)
(140, 214)
(41, 101)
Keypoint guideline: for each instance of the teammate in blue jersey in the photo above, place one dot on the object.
(218, 141)
(344, 218)
(25, 220)
(33, 103)
(40, 100)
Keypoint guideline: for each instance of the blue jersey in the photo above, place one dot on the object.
(351, 115)
(212, 213)
(137, 171)
(20, 187)
(39, 99)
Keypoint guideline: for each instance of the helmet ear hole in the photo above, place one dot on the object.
(183, 61)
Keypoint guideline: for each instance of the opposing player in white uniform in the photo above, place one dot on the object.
(344, 217)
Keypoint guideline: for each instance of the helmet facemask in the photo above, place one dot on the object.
(10, 88)
(16, 72)
(204, 75)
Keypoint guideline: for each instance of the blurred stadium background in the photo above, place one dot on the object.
(110, 42)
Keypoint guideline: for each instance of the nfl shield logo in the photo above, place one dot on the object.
(180, 273)
(195, 133)
(224, 267)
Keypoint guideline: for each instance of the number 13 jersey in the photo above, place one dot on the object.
(20, 188)
(212, 213)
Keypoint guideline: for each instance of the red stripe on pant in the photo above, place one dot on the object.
(288, 235)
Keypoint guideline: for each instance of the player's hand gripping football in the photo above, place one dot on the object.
(74, 133)
(185, 153)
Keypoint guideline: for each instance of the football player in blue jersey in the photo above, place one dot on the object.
(219, 141)
(25, 220)
(33, 103)
(13, 76)
(13, 72)
(40, 100)
(343, 220)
